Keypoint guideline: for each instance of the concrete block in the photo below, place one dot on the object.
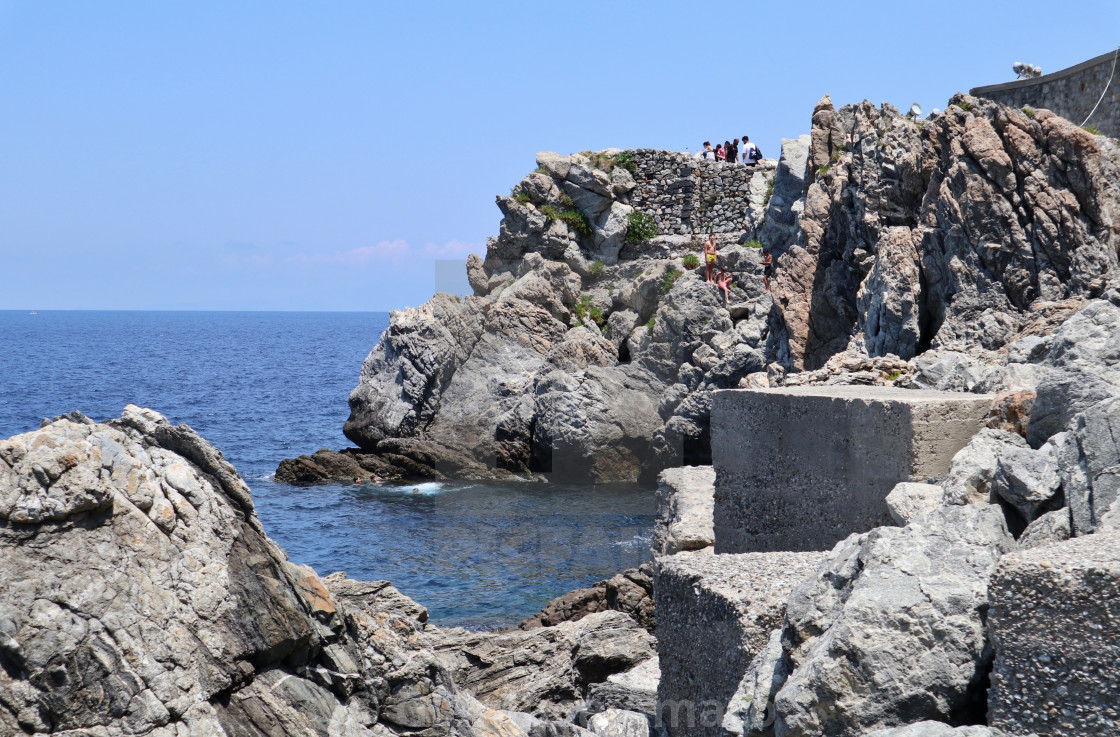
(714, 614)
(801, 468)
(684, 510)
(1055, 623)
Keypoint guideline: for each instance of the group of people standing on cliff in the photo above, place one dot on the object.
(721, 278)
(729, 152)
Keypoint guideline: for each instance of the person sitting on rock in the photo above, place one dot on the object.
(710, 256)
(767, 263)
(724, 281)
(709, 153)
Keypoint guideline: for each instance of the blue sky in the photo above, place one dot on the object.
(321, 156)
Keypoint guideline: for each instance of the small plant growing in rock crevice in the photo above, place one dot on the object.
(691, 261)
(652, 319)
(669, 280)
(596, 268)
(640, 227)
(584, 309)
(627, 162)
(966, 105)
(522, 197)
(1092, 129)
(1029, 111)
(574, 219)
(754, 243)
(823, 170)
(769, 191)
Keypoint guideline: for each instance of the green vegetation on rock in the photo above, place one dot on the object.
(639, 227)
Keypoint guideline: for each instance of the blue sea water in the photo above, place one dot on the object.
(263, 386)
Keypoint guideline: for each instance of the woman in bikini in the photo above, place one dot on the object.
(723, 281)
(710, 257)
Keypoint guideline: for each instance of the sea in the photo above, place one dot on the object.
(263, 386)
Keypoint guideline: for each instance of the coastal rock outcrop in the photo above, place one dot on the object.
(906, 251)
(142, 597)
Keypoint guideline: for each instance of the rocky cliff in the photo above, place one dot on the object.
(589, 349)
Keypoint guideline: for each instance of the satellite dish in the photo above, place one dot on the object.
(915, 110)
(1017, 67)
(935, 112)
(1037, 71)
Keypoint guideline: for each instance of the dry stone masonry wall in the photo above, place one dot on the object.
(686, 195)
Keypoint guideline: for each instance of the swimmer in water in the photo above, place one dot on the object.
(357, 479)
(415, 491)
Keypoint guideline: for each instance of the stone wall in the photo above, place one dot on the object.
(687, 195)
(1070, 93)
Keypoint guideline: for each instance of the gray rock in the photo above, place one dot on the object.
(1055, 624)
(974, 467)
(936, 729)
(557, 165)
(634, 690)
(1052, 527)
(908, 502)
(619, 327)
(751, 709)
(143, 598)
(620, 723)
(1028, 480)
(1089, 459)
(891, 629)
(543, 671)
(591, 179)
(684, 510)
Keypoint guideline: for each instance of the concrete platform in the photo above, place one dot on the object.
(804, 467)
(714, 614)
(1055, 622)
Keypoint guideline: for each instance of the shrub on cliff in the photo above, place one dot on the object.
(691, 261)
(639, 227)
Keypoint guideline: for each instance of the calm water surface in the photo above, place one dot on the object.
(269, 385)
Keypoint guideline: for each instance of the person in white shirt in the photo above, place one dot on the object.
(708, 154)
(751, 154)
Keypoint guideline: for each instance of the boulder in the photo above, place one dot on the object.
(891, 629)
(629, 592)
(1089, 458)
(714, 614)
(1055, 624)
(543, 671)
(1027, 480)
(936, 729)
(142, 597)
(633, 690)
(974, 467)
(684, 510)
(620, 723)
(1052, 527)
(908, 502)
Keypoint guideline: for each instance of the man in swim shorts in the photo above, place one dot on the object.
(767, 263)
(710, 258)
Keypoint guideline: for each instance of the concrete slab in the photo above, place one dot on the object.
(714, 614)
(1055, 622)
(684, 510)
(801, 468)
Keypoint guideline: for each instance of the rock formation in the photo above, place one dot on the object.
(142, 597)
(905, 251)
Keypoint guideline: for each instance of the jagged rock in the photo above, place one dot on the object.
(1055, 624)
(684, 510)
(633, 690)
(751, 709)
(556, 164)
(1027, 480)
(980, 191)
(974, 467)
(619, 327)
(629, 592)
(142, 597)
(891, 629)
(1052, 527)
(908, 502)
(582, 347)
(330, 465)
(543, 671)
(1089, 459)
